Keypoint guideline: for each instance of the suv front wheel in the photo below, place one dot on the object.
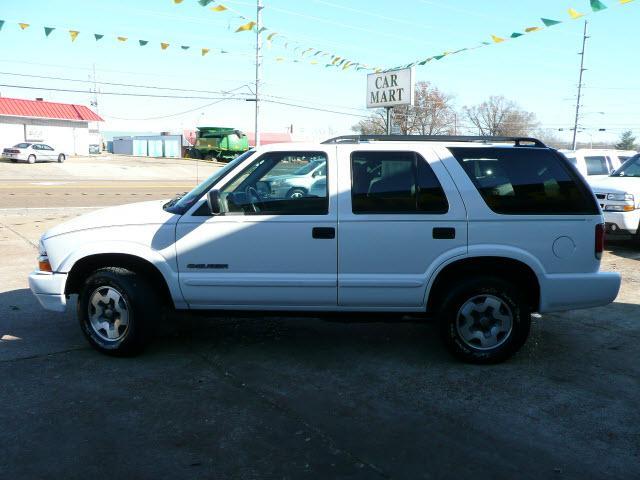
(484, 320)
(115, 307)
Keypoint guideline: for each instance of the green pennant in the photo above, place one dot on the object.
(516, 35)
(98, 36)
(48, 30)
(204, 3)
(486, 43)
(550, 23)
(424, 62)
(597, 5)
(223, 51)
(438, 57)
(185, 47)
(1, 24)
(262, 29)
(143, 42)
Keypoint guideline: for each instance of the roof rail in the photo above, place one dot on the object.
(518, 141)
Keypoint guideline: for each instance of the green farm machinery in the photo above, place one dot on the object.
(218, 143)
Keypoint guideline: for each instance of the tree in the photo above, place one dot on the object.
(627, 141)
(431, 114)
(500, 116)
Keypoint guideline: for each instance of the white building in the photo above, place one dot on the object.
(65, 126)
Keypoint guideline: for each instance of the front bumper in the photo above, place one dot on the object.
(625, 223)
(49, 290)
(560, 292)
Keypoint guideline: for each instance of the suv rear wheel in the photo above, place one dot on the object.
(115, 306)
(485, 320)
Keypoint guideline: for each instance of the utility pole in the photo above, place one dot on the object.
(582, 69)
(259, 8)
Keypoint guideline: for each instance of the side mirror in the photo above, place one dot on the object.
(215, 202)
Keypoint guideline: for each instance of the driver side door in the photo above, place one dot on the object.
(266, 250)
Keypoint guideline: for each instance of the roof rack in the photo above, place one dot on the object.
(517, 141)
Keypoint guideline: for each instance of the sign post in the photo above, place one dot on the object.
(388, 89)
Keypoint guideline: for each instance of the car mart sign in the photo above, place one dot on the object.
(388, 89)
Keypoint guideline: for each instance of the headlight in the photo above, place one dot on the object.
(620, 197)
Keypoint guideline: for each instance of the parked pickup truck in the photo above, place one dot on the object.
(619, 197)
(477, 231)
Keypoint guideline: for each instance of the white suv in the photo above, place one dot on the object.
(478, 231)
(597, 163)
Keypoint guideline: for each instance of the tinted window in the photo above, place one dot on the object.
(394, 182)
(526, 181)
(272, 186)
(22, 145)
(596, 165)
(631, 168)
(46, 147)
(573, 160)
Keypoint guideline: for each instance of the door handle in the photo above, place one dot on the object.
(444, 233)
(326, 233)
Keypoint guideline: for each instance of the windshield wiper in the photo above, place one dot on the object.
(174, 200)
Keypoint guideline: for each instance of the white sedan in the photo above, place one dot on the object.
(33, 152)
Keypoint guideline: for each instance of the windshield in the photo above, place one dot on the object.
(630, 168)
(181, 204)
(307, 168)
(22, 145)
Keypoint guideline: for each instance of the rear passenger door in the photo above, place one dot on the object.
(399, 216)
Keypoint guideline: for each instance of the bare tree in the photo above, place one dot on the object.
(500, 116)
(431, 114)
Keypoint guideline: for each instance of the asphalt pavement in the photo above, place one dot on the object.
(267, 397)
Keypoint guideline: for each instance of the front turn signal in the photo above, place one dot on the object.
(43, 264)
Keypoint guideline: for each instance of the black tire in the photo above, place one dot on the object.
(195, 154)
(14, 160)
(479, 287)
(61, 158)
(31, 159)
(296, 193)
(141, 303)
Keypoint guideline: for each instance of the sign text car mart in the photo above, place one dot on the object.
(388, 89)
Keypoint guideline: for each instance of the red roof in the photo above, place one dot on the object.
(37, 109)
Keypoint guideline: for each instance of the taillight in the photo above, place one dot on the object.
(599, 240)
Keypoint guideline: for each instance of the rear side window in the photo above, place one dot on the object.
(596, 165)
(526, 181)
(395, 182)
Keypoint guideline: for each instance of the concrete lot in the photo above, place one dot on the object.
(290, 398)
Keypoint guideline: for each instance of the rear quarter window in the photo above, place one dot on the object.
(526, 181)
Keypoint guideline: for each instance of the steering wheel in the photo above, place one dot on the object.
(252, 192)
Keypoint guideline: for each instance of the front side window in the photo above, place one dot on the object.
(596, 165)
(525, 181)
(394, 182)
(272, 185)
(631, 168)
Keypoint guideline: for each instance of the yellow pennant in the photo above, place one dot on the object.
(204, 51)
(625, 1)
(246, 26)
(314, 62)
(24, 26)
(164, 46)
(532, 29)
(347, 65)
(177, 1)
(497, 39)
(574, 14)
(219, 8)
(122, 39)
(73, 34)
(271, 35)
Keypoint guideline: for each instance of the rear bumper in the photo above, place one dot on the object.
(49, 290)
(624, 223)
(559, 292)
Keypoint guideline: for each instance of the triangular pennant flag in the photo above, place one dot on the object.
(575, 14)
(23, 26)
(486, 43)
(271, 35)
(438, 57)
(497, 39)
(164, 46)
(73, 34)
(185, 47)
(223, 51)
(204, 51)
(347, 65)
(262, 29)
(218, 8)
(550, 23)
(177, 1)
(597, 5)
(204, 3)
(1, 24)
(313, 62)
(48, 30)
(122, 39)
(516, 35)
(622, 2)
(143, 42)
(532, 29)
(98, 36)
(247, 26)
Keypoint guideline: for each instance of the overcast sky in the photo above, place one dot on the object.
(538, 70)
